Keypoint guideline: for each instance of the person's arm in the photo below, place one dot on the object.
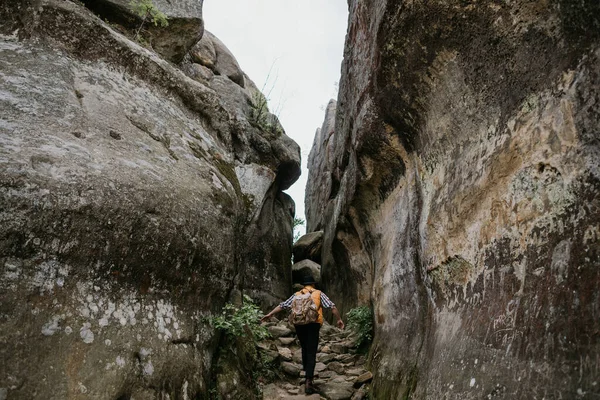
(336, 313)
(273, 312)
(325, 302)
(281, 306)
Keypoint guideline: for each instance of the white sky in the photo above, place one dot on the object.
(303, 40)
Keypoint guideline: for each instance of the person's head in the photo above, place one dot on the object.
(308, 280)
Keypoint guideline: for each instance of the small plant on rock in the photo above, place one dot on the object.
(298, 222)
(259, 111)
(147, 11)
(360, 320)
(238, 321)
(260, 116)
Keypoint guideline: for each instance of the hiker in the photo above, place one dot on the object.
(307, 317)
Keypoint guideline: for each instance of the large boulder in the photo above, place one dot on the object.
(213, 54)
(212, 64)
(304, 268)
(465, 194)
(185, 24)
(126, 191)
(308, 247)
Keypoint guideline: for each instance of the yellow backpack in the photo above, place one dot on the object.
(304, 309)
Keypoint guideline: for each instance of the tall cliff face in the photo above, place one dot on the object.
(463, 204)
(135, 200)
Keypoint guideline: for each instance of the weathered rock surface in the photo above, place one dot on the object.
(464, 202)
(308, 247)
(333, 380)
(131, 199)
(185, 23)
(321, 186)
(213, 54)
(305, 268)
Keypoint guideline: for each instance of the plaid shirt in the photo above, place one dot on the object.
(325, 302)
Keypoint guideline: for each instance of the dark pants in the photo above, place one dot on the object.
(308, 335)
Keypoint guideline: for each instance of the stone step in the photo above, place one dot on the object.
(339, 373)
(274, 392)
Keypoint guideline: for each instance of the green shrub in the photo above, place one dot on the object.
(298, 222)
(360, 320)
(147, 11)
(236, 322)
(260, 116)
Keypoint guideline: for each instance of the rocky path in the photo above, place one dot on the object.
(340, 373)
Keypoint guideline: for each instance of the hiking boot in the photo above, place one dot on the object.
(309, 388)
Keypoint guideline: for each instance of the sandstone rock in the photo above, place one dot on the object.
(355, 371)
(286, 341)
(198, 72)
(351, 343)
(360, 394)
(297, 356)
(279, 331)
(319, 186)
(320, 367)
(300, 397)
(338, 348)
(351, 339)
(345, 358)
(271, 392)
(306, 267)
(185, 24)
(327, 374)
(234, 368)
(225, 63)
(336, 390)
(325, 358)
(362, 379)
(328, 330)
(111, 244)
(211, 53)
(291, 369)
(308, 247)
(336, 367)
(265, 345)
(204, 52)
(465, 150)
(285, 353)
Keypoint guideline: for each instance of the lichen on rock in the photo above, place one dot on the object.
(459, 193)
(128, 191)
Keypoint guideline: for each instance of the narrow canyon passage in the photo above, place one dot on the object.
(452, 206)
(456, 183)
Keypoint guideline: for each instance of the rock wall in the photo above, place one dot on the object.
(321, 157)
(463, 201)
(185, 22)
(134, 201)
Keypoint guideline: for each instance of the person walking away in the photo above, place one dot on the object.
(307, 317)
